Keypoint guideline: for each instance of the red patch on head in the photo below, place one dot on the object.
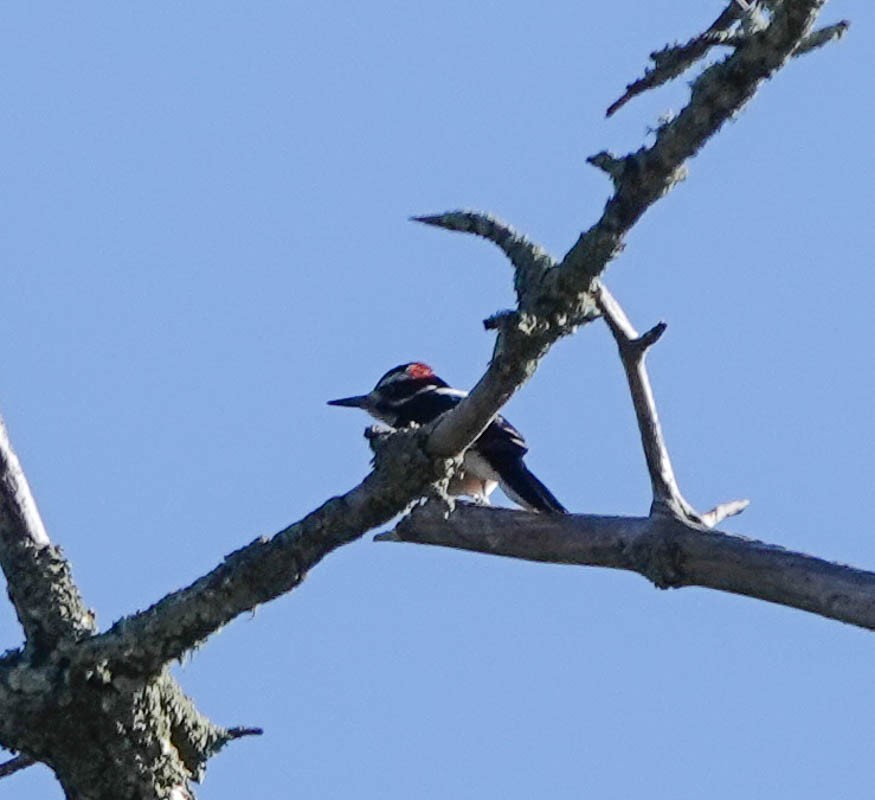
(419, 370)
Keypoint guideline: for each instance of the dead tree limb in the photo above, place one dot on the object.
(116, 682)
(738, 21)
(673, 546)
(662, 548)
(667, 496)
(553, 299)
(47, 602)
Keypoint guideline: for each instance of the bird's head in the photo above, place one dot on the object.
(394, 388)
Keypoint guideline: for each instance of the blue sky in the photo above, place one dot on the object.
(205, 239)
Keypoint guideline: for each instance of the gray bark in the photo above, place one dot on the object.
(100, 709)
(663, 548)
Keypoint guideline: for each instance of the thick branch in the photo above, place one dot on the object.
(118, 676)
(19, 519)
(555, 299)
(266, 568)
(550, 307)
(661, 548)
(46, 600)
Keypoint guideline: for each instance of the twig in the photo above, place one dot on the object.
(717, 95)
(822, 36)
(229, 735)
(633, 348)
(716, 515)
(239, 733)
(525, 255)
(674, 60)
(12, 766)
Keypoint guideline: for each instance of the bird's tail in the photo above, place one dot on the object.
(521, 485)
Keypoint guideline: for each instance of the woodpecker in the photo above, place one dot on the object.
(412, 393)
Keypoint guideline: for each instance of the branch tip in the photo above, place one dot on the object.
(499, 319)
(674, 59)
(719, 513)
(427, 219)
(822, 36)
(239, 733)
(462, 221)
(12, 766)
(609, 164)
(649, 338)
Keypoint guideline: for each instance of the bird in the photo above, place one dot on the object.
(412, 394)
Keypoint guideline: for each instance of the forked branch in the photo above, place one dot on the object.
(667, 496)
(739, 20)
(553, 299)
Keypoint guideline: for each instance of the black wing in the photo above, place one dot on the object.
(502, 439)
(424, 407)
(503, 447)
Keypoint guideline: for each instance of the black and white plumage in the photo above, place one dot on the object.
(412, 393)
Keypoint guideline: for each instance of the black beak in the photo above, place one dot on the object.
(359, 401)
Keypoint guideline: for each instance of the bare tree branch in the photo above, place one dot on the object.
(239, 733)
(822, 36)
(529, 259)
(548, 310)
(723, 511)
(717, 94)
(46, 682)
(141, 644)
(15, 764)
(667, 496)
(555, 303)
(673, 60)
(141, 735)
(117, 680)
(633, 350)
(41, 588)
(661, 547)
(20, 518)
